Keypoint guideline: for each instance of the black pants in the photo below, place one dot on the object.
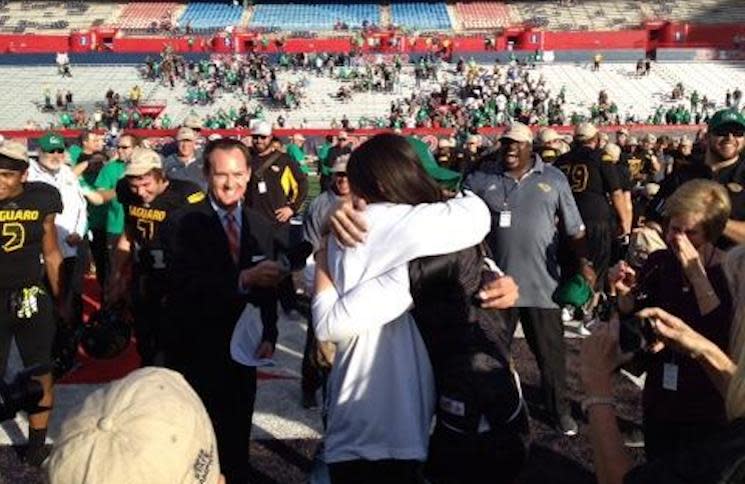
(313, 377)
(228, 391)
(100, 253)
(388, 471)
(492, 457)
(72, 273)
(149, 315)
(599, 243)
(287, 296)
(668, 438)
(544, 333)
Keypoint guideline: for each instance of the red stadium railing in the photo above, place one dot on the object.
(362, 133)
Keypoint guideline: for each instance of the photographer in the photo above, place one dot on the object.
(680, 405)
(717, 458)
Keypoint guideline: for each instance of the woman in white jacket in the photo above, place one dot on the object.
(381, 389)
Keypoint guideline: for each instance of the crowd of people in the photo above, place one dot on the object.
(196, 241)
(461, 94)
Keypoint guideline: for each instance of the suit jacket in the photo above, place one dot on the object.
(204, 301)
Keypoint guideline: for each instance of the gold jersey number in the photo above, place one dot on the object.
(577, 176)
(146, 228)
(16, 236)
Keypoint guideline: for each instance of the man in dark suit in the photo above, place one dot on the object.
(221, 254)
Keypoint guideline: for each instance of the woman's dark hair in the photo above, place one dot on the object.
(386, 168)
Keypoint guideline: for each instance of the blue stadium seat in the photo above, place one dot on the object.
(211, 16)
(425, 16)
(313, 16)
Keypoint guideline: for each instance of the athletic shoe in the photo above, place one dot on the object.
(634, 438)
(582, 329)
(566, 314)
(567, 426)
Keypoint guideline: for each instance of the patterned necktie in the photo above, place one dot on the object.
(234, 238)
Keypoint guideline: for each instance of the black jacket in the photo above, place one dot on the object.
(465, 342)
(204, 301)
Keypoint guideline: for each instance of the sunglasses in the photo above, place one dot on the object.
(58, 151)
(258, 136)
(122, 147)
(736, 131)
(340, 174)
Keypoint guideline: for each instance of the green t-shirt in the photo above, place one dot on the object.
(294, 152)
(107, 179)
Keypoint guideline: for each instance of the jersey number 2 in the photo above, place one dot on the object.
(17, 235)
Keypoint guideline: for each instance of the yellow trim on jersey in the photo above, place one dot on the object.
(195, 197)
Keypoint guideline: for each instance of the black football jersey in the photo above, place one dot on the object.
(145, 221)
(592, 181)
(22, 232)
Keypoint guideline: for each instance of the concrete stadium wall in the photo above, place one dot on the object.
(573, 56)
(698, 54)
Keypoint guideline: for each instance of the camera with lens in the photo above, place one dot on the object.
(22, 394)
(635, 334)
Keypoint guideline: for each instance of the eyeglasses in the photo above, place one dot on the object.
(735, 130)
(58, 151)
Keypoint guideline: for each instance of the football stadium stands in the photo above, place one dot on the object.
(142, 15)
(638, 96)
(587, 15)
(206, 16)
(53, 17)
(486, 15)
(423, 16)
(315, 16)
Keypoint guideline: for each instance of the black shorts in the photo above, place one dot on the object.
(34, 336)
(599, 241)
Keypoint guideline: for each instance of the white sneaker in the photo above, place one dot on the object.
(582, 330)
(567, 314)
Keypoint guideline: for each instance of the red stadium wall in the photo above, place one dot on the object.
(715, 36)
(361, 134)
(656, 34)
(34, 44)
(623, 39)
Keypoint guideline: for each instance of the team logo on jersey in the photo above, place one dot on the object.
(195, 197)
(19, 215)
(734, 187)
(147, 213)
(545, 187)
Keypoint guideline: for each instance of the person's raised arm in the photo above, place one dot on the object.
(340, 317)
(423, 230)
(674, 333)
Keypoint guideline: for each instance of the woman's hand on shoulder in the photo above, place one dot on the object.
(347, 222)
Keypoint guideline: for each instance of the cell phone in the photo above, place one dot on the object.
(635, 334)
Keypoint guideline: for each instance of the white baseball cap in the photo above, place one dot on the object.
(147, 428)
(261, 128)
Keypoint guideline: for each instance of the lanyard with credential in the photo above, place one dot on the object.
(505, 215)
